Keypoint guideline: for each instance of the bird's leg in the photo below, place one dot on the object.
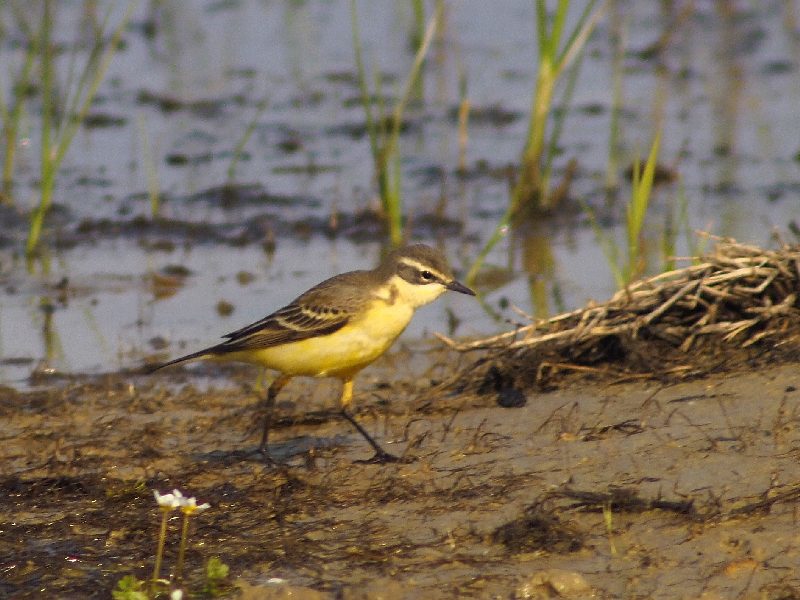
(381, 456)
(269, 409)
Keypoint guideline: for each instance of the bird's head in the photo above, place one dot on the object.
(420, 274)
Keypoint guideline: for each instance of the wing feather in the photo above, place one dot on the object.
(322, 310)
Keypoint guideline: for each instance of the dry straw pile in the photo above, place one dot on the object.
(739, 299)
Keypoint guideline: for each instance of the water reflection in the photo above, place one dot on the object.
(537, 260)
(192, 79)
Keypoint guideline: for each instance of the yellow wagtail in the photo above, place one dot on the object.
(338, 327)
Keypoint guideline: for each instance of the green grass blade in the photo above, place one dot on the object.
(383, 132)
(500, 231)
(580, 33)
(640, 201)
(554, 39)
(541, 27)
(46, 67)
(97, 78)
(531, 185)
(419, 59)
(238, 150)
(559, 119)
(54, 149)
(12, 116)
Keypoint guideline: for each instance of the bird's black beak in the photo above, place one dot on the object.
(459, 287)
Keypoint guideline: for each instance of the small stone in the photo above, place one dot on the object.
(554, 583)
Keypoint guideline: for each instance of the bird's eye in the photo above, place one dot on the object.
(427, 275)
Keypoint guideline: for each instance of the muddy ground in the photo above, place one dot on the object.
(605, 489)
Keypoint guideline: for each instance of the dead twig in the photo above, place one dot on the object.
(738, 292)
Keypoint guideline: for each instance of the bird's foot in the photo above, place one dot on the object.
(268, 459)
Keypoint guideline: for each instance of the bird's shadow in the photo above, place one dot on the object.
(280, 452)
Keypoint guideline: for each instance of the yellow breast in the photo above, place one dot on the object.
(342, 353)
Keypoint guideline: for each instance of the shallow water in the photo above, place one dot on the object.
(193, 75)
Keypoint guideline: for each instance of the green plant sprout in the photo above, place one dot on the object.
(636, 211)
(384, 130)
(130, 588)
(532, 186)
(618, 25)
(216, 572)
(58, 127)
(641, 189)
(150, 168)
(12, 113)
(608, 521)
(238, 151)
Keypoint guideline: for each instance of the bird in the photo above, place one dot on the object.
(337, 328)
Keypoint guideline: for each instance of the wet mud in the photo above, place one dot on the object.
(596, 488)
(248, 214)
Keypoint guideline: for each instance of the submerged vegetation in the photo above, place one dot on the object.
(562, 30)
(532, 188)
(64, 100)
(384, 127)
(531, 195)
(642, 179)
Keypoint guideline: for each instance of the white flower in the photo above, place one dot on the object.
(168, 502)
(176, 595)
(176, 499)
(189, 506)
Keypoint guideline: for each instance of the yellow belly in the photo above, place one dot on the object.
(340, 354)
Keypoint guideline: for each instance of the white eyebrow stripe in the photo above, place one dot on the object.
(410, 262)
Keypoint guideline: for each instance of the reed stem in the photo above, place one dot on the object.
(56, 137)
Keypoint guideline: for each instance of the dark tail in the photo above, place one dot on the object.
(147, 369)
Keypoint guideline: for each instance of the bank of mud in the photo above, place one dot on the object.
(645, 488)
